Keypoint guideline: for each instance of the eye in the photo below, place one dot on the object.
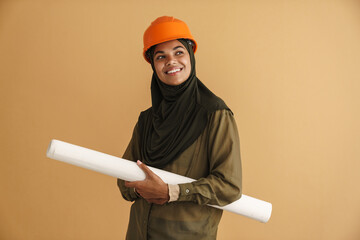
(179, 53)
(159, 57)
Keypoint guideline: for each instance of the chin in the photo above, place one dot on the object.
(177, 83)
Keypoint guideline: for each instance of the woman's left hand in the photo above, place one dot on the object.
(152, 189)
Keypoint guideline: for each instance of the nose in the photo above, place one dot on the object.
(171, 60)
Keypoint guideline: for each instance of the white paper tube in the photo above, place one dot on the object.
(129, 171)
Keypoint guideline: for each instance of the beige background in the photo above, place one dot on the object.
(289, 70)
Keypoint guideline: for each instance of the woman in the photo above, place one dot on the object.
(188, 131)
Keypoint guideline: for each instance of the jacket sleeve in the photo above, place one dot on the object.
(131, 153)
(223, 184)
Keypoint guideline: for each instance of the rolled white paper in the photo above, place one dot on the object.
(129, 171)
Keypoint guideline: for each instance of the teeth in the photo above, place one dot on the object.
(174, 71)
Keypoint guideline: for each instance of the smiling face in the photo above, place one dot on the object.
(172, 62)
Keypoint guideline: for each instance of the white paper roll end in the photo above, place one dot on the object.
(266, 219)
(51, 148)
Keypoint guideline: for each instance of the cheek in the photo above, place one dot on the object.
(158, 69)
(186, 62)
(188, 67)
(159, 72)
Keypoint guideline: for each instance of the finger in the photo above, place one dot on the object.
(130, 184)
(145, 168)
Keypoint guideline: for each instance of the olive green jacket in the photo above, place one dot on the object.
(214, 160)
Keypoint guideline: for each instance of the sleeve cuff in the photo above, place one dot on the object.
(174, 191)
(186, 192)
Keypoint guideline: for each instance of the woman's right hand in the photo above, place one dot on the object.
(153, 189)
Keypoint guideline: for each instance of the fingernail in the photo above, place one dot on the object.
(139, 162)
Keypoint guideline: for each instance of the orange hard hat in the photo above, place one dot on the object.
(166, 29)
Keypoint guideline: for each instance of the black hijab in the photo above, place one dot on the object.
(179, 114)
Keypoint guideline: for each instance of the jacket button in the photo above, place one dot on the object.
(187, 190)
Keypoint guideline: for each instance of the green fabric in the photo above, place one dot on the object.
(214, 160)
(177, 117)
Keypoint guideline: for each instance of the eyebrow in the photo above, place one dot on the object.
(173, 50)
